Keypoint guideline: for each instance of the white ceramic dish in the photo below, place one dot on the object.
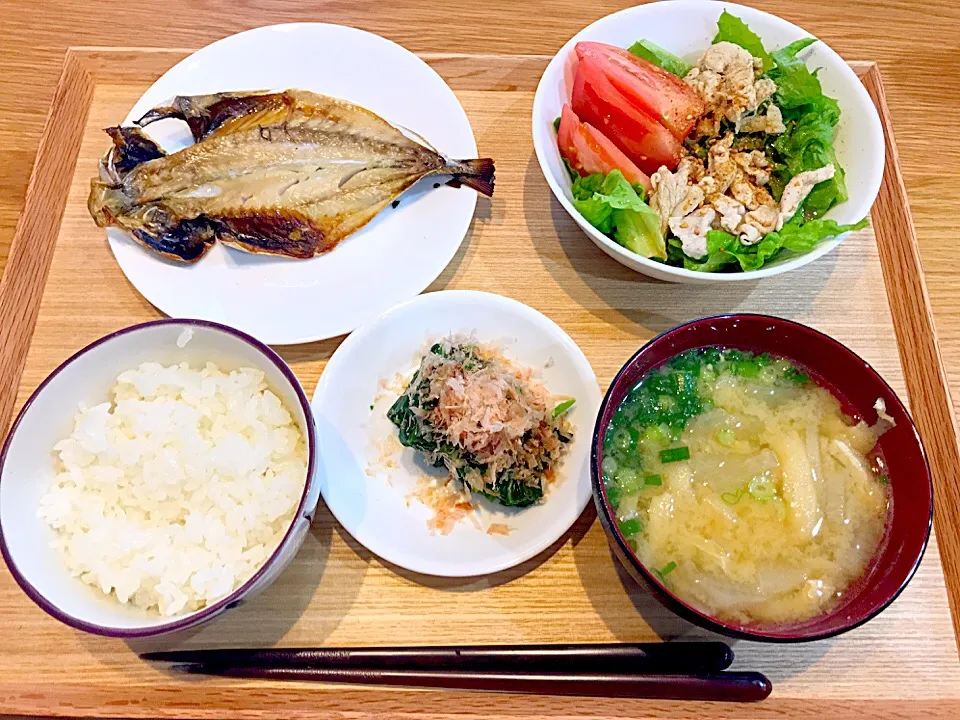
(375, 507)
(27, 467)
(686, 28)
(283, 301)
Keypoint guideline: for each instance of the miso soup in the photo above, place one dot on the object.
(743, 485)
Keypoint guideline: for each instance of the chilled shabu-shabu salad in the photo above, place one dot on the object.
(723, 165)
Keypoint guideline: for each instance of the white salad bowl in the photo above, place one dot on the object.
(686, 28)
(27, 468)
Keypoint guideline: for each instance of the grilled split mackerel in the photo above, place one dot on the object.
(290, 173)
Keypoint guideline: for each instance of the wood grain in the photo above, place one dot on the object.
(926, 379)
(26, 270)
(521, 244)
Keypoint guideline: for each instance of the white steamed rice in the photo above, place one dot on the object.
(172, 495)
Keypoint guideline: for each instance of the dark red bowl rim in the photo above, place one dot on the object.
(198, 616)
(664, 594)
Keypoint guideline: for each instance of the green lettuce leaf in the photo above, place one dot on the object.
(732, 29)
(675, 255)
(597, 213)
(712, 263)
(792, 50)
(638, 230)
(810, 117)
(651, 52)
(718, 253)
(726, 249)
(797, 236)
(796, 85)
(619, 194)
(585, 187)
(617, 208)
(789, 52)
(767, 249)
(808, 145)
(802, 236)
(721, 247)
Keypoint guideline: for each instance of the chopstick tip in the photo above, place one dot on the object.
(762, 684)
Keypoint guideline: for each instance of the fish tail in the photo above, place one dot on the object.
(478, 174)
(162, 112)
(180, 108)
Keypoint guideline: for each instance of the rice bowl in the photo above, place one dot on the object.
(28, 468)
(174, 492)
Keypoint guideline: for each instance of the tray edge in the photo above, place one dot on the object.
(918, 347)
(31, 252)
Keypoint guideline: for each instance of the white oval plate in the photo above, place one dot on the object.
(686, 28)
(281, 300)
(375, 508)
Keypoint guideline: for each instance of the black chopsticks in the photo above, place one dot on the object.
(722, 687)
(614, 658)
(692, 670)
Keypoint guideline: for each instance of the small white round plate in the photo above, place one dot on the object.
(280, 300)
(374, 504)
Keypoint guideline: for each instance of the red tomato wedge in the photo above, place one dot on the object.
(650, 88)
(569, 124)
(590, 151)
(641, 138)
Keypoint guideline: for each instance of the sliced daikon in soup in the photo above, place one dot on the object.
(744, 486)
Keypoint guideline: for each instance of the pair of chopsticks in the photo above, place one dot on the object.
(678, 671)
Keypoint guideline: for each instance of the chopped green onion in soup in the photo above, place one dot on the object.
(743, 480)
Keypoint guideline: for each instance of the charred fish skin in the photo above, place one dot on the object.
(183, 240)
(205, 113)
(277, 233)
(282, 173)
(186, 241)
(132, 147)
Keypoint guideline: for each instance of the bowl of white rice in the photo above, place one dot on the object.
(158, 477)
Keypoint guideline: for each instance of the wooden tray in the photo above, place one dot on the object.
(62, 289)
